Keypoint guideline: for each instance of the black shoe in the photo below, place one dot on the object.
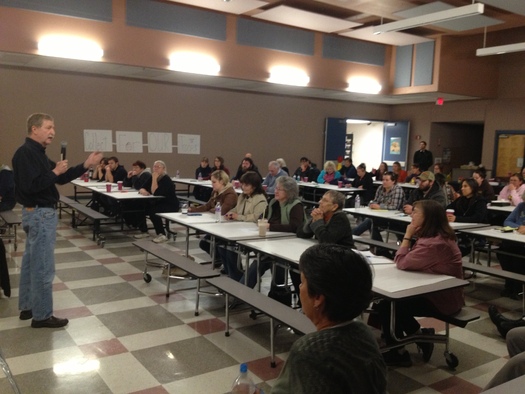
(505, 326)
(426, 347)
(395, 359)
(26, 315)
(497, 317)
(52, 322)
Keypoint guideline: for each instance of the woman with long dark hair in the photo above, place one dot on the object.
(429, 245)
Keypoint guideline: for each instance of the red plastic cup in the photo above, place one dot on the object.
(119, 185)
(340, 184)
(450, 212)
(265, 187)
(108, 187)
(305, 179)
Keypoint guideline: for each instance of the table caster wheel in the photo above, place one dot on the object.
(147, 278)
(452, 360)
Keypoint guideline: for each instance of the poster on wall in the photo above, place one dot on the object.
(395, 142)
(98, 140)
(446, 155)
(395, 146)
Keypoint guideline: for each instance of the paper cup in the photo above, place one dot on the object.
(340, 184)
(262, 227)
(108, 187)
(450, 212)
(119, 185)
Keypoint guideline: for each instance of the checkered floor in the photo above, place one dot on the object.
(125, 336)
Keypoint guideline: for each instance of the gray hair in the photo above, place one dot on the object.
(289, 186)
(337, 198)
(162, 164)
(281, 162)
(274, 164)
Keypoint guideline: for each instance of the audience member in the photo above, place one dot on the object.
(429, 245)
(7, 188)
(114, 171)
(414, 173)
(348, 170)
(250, 207)
(283, 166)
(448, 190)
(138, 177)
(99, 173)
(285, 214)
(218, 164)
(329, 175)
(427, 189)
(306, 171)
(274, 171)
(383, 167)
(514, 190)
(423, 157)
(438, 168)
(364, 180)
(484, 187)
(246, 165)
(203, 172)
(161, 185)
(400, 173)
(342, 356)
(502, 323)
(388, 196)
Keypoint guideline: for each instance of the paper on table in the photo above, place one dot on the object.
(376, 260)
(391, 279)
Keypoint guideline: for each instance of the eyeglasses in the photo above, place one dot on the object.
(278, 189)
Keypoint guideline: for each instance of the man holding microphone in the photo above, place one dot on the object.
(35, 178)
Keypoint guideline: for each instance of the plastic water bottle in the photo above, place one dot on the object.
(243, 384)
(199, 177)
(90, 172)
(218, 214)
(357, 201)
(178, 174)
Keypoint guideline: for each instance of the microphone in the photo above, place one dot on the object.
(63, 146)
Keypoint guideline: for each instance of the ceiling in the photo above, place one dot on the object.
(351, 18)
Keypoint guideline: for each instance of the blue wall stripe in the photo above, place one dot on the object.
(403, 66)
(281, 38)
(176, 19)
(424, 63)
(353, 50)
(99, 10)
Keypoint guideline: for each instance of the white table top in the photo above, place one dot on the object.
(404, 185)
(325, 186)
(236, 231)
(388, 280)
(506, 208)
(495, 232)
(402, 217)
(89, 183)
(126, 194)
(188, 220)
(191, 181)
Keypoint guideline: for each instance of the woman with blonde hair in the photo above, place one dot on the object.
(329, 174)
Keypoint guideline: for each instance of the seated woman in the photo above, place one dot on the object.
(383, 167)
(516, 264)
(484, 187)
(329, 174)
(285, 214)
(429, 245)
(223, 194)
(218, 164)
(514, 190)
(250, 207)
(161, 185)
(283, 166)
(470, 207)
(99, 174)
(342, 356)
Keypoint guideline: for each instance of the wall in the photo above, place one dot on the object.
(368, 144)
(230, 123)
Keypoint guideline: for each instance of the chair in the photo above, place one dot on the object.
(8, 374)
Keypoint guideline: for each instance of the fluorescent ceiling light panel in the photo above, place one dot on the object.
(501, 49)
(195, 63)
(304, 19)
(288, 76)
(363, 85)
(232, 7)
(357, 121)
(393, 38)
(431, 19)
(70, 47)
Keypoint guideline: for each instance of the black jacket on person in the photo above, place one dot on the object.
(138, 182)
(311, 173)
(424, 158)
(435, 193)
(368, 185)
(469, 210)
(337, 230)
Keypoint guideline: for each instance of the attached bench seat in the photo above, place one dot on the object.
(270, 307)
(79, 208)
(170, 258)
(12, 220)
(372, 242)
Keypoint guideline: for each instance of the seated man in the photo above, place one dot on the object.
(414, 173)
(306, 170)
(114, 173)
(138, 178)
(428, 189)
(348, 170)
(388, 196)
(203, 172)
(246, 165)
(7, 188)
(274, 171)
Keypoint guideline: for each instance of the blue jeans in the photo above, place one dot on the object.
(229, 262)
(367, 225)
(38, 264)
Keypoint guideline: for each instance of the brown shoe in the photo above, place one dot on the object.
(52, 322)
